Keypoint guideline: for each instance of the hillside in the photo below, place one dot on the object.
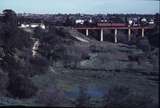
(62, 67)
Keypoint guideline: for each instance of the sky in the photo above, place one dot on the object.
(81, 6)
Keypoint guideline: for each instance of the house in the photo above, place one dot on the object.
(79, 21)
(130, 22)
(143, 20)
(151, 22)
(24, 25)
(90, 21)
(42, 26)
(103, 20)
(33, 25)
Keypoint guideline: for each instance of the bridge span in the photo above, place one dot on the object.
(143, 29)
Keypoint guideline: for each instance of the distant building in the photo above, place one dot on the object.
(43, 26)
(79, 21)
(144, 20)
(104, 20)
(24, 25)
(130, 22)
(1, 15)
(90, 21)
(33, 25)
(151, 22)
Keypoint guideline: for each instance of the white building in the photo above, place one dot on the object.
(33, 25)
(130, 22)
(79, 21)
(151, 22)
(43, 26)
(104, 20)
(24, 25)
(90, 21)
(144, 20)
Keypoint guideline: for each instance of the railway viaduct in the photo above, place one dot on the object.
(143, 29)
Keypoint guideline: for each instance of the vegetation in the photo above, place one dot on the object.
(121, 97)
(14, 40)
(104, 62)
(51, 96)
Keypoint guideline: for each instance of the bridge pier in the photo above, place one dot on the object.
(115, 36)
(101, 35)
(87, 33)
(142, 32)
(129, 34)
(115, 31)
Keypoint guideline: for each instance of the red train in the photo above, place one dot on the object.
(112, 25)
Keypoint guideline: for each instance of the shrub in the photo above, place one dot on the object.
(71, 57)
(138, 101)
(51, 96)
(121, 97)
(3, 82)
(95, 48)
(39, 65)
(135, 58)
(143, 44)
(20, 86)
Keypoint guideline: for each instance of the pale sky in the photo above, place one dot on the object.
(81, 6)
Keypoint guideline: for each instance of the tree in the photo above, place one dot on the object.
(10, 17)
(39, 33)
(68, 22)
(50, 96)
(12, 44)
(21, 86)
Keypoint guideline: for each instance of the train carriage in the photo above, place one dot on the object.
(112, 25)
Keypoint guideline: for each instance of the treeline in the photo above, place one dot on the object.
(16, 61)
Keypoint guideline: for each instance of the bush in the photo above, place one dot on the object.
(71, 57)
(20, 86)
(121, 97)
(50, 96)
(144, 45)
(39, 65)
(95, 48)
(139, 101)
(3, 82)
(39, 33)
(115, 96)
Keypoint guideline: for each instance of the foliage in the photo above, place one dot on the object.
(51, 96)
(3, 82)
(20, 86)
(121, 97)
(10, 17)
(15, 45)
(38, 65)
(144, 44)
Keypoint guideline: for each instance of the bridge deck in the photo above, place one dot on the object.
(97, 28)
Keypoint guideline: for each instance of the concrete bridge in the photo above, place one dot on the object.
(143, 29)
